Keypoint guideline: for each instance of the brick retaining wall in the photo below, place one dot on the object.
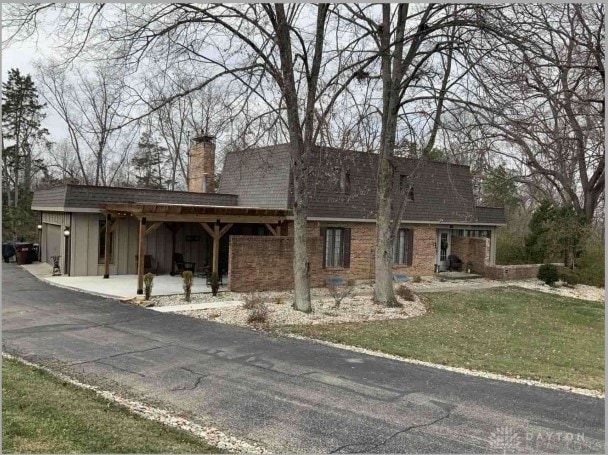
(515, 272)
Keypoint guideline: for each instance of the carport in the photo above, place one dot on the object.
(216, 222)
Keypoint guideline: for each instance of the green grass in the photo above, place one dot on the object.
(43, 414)
(510, 331)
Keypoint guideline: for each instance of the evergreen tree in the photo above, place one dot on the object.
(22, 115)
(149, 163)
(556, 233)
(498, 189)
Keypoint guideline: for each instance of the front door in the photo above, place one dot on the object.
(443, 248)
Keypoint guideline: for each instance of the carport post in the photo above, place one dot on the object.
(106, 259)
(140, 256)
(216, 246)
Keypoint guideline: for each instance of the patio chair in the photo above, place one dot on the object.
(181, 266)
(454, 263)
(149, 266)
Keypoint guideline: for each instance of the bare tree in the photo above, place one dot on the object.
(539, 97)
(275, 51)
(408, 38)
(95, 110)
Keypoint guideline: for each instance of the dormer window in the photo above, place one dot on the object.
(405, 187)
(344, 182)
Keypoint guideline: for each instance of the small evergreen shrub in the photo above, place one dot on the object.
(417, 279)
(548, 274)
(215, 283)
(279, 301)
(406, 293)
(570, 277)
(188, 279)
(148, 283)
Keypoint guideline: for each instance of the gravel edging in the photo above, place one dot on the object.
(210, 435)
(478, 373)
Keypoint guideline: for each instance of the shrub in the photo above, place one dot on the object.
(417, 279)
(406, 293)
(258, 314)
(279, 301)
(148, 279)
(252, 301)
(188, 278)
(548, 274)
(570, 277)
(339, 293)
(590, 265)
(215, 283)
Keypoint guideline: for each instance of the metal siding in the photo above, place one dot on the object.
(53, 242)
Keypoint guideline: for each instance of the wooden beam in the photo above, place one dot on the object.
(271, 229)
(207, 229)
(106, 259)
(216, 248)
(196, 218)
(114, 225)
(140, 256)
(225, 229)
(153, 227)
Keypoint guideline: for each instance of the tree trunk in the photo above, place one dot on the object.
(383, 285)
(391, 79)
(301, 264)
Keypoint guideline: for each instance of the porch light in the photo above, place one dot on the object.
(39, 227)
(66, 232)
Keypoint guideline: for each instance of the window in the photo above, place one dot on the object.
(336, 247)
(102, 241)
(472, 232)
(402, 251)
(406, 186)
(344, 182)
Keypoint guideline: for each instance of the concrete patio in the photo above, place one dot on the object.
(117, 286)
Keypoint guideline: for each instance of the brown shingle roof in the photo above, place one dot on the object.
(490, 215)
(81, 197)
(443, 192)
(260, 177)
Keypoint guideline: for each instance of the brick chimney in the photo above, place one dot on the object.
(201, 164)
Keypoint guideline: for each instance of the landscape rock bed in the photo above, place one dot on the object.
(580, 291)
(358, 307)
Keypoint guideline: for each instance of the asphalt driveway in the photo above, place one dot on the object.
(288, 395)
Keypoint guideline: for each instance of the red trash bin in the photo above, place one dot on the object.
(22, 249)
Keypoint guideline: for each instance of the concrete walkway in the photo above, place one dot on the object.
(196, 306)
(287, 395)
(117, 286)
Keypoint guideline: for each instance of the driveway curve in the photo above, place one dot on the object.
(287, 395)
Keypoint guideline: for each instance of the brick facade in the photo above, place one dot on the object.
(265, 263)
(363, 242)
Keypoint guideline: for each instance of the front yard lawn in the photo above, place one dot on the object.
(510, 331)
(42, 414)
